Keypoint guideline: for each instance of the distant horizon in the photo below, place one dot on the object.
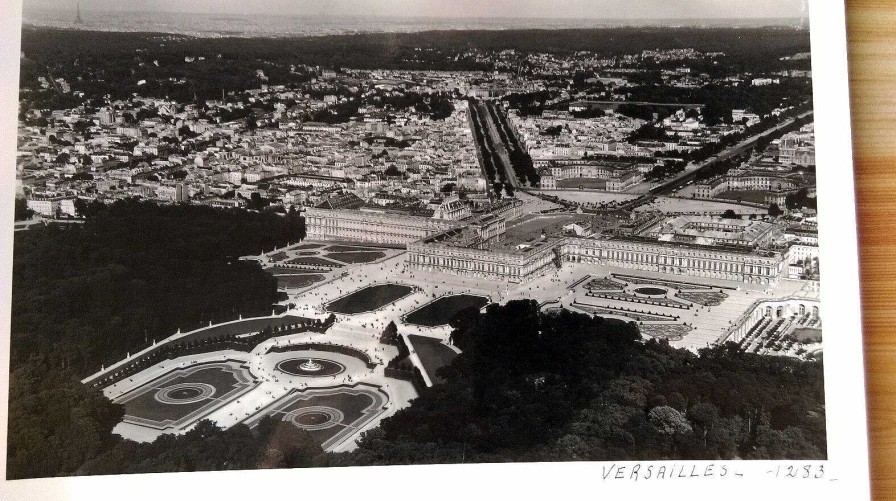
(337, 21)
(484, 10)
(427, 17)
(293, 25)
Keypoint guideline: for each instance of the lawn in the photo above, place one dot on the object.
(313, 261)
(433, 355)
(442, 310)
(144, 407)
(297, 281)
(241, 327)
(280, 256)
(583, 183)
(356, 257)
(282, 270)
(347, 248)
(369, 298)
(328, 415)
(806, 335)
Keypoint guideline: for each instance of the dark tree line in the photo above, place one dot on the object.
(531, 103)
(22, 212)
(520, 160)
(86, 295)
(531, 386)
(486, 153)
(801, 199)
(113, 63)
(437, 105)
(271, 444)
(665, 170)
(89, 292)
(718, 99)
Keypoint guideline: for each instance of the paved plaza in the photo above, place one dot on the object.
(699, 206)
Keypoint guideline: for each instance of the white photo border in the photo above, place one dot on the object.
(845, 471)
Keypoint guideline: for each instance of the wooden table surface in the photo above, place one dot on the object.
(871, 28)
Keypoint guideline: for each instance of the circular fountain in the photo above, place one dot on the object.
(311, 366)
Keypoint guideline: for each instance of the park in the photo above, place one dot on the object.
(323, 366)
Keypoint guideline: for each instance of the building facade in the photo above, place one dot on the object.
(464, 247)
(371, 226)
(45, 206)
(508, 266)
(776, 309)
(740, 265)
(618, 176)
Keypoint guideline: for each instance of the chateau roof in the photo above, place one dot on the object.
(341, 201)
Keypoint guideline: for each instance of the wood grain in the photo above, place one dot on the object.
(872, 58)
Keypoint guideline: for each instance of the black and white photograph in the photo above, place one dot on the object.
(255, 235)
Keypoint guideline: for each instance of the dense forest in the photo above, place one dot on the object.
(85, 295)
(532, 386)
(272, 444)
(721, 99)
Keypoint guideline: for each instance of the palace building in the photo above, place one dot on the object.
(517, 265)
(522, 265)
(364, 225)
(722, 262)
(697, 246)
(617, 176)
(704, 230)
(787, 314)
(384, 226)
(749, 180)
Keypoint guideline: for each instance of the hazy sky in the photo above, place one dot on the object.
(589, 9)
